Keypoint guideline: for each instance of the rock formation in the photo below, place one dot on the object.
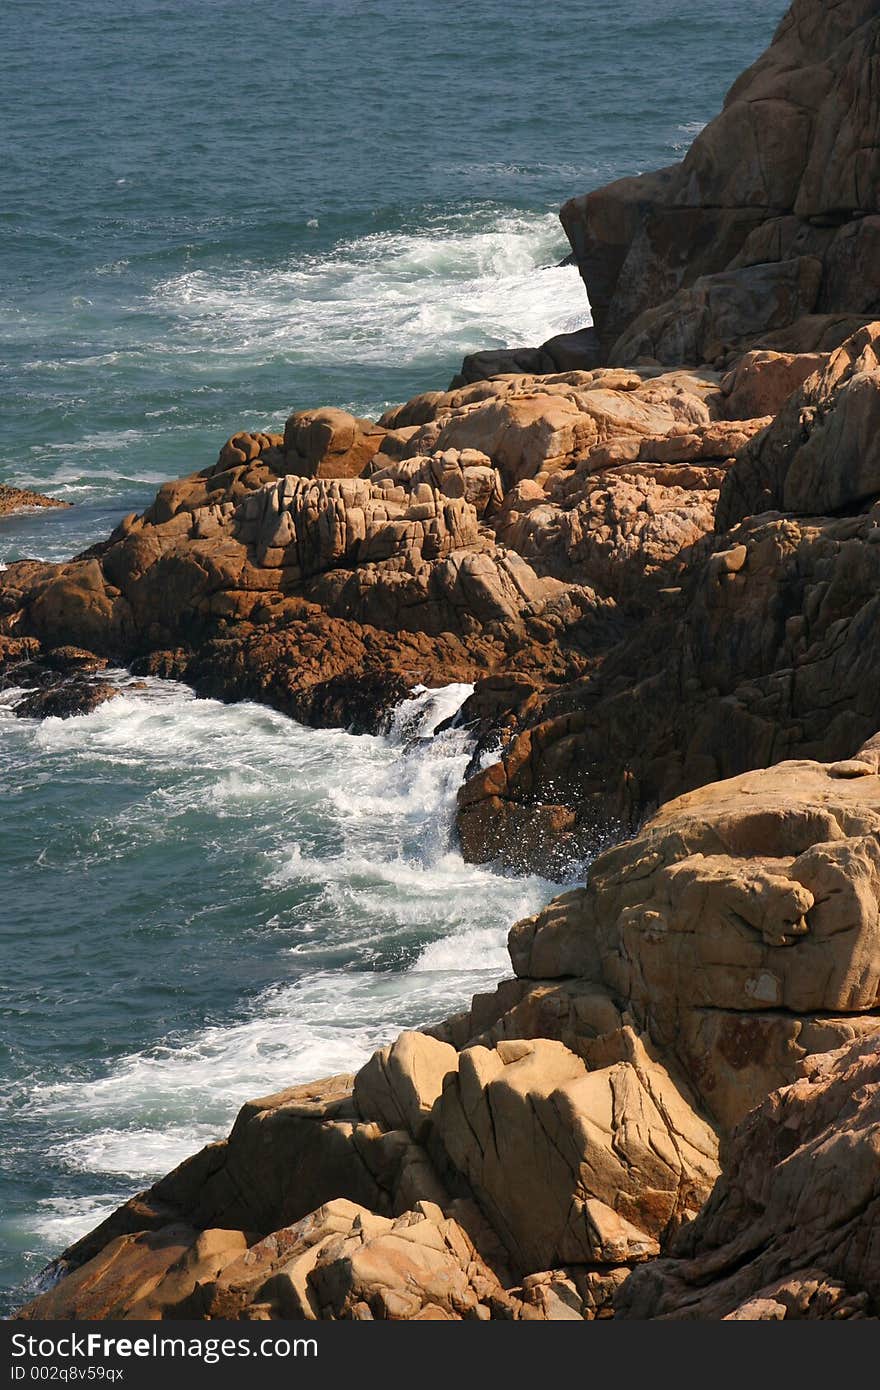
(16, 499)
(792, 1230)
(59, 682)
(662, 579)
(522, 1158)
(763, 652)
(767, 233)
(467, 545)
(519, 533)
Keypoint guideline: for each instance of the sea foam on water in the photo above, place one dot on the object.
(349, 880)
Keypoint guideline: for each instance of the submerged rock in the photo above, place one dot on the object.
(59, 681)
(64, 698)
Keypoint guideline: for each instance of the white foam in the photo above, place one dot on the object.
(689, 131)
(422, 714)
(475, 280)
(361, 828)
(59, 1221)
(135, 1153)
(467, 951)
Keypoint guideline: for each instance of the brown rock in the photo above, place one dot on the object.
(739, 927)
(65, 697)
(16, 499)
(820, 454)
(768, 220)
(793, 1227)
(139, 1276)
(720, 314)
(761, 382)
(620, 1153)
(329, 443)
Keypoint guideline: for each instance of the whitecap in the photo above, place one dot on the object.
(463, 282)
(361, 828)
(59, 1221)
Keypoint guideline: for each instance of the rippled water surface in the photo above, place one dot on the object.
(212, 214)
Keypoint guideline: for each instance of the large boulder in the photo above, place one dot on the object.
(740, 928)
(570, 1166)
(761, 382)
(719, 314)
(329, 443)
(623, 1157)
(820, 454)
(565, 352)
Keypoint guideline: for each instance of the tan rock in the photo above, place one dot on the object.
(412, 1268)
(339, 1261)
(762, 381)
(791, 1230)
(572, 1166)
(455, 473)
(740, 927)
(329, 443)
(819, 454)
(16, 499)
(139, 1276)
(401, 1082)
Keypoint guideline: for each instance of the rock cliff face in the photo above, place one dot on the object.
(662, 579)
(767, 233)
(765, 652)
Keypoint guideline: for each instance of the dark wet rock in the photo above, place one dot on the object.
(566, 352)
(61, 699)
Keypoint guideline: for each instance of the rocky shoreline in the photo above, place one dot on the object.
(16, 499)
(654, 552)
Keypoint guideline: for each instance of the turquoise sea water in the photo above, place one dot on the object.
(213, 214)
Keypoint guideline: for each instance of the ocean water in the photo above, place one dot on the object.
(213, 214)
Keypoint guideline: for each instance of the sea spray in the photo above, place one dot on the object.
(236, 904)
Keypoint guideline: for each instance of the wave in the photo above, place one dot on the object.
(59, 1221)
(350, 841)
(457, 283)
(199, 348)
